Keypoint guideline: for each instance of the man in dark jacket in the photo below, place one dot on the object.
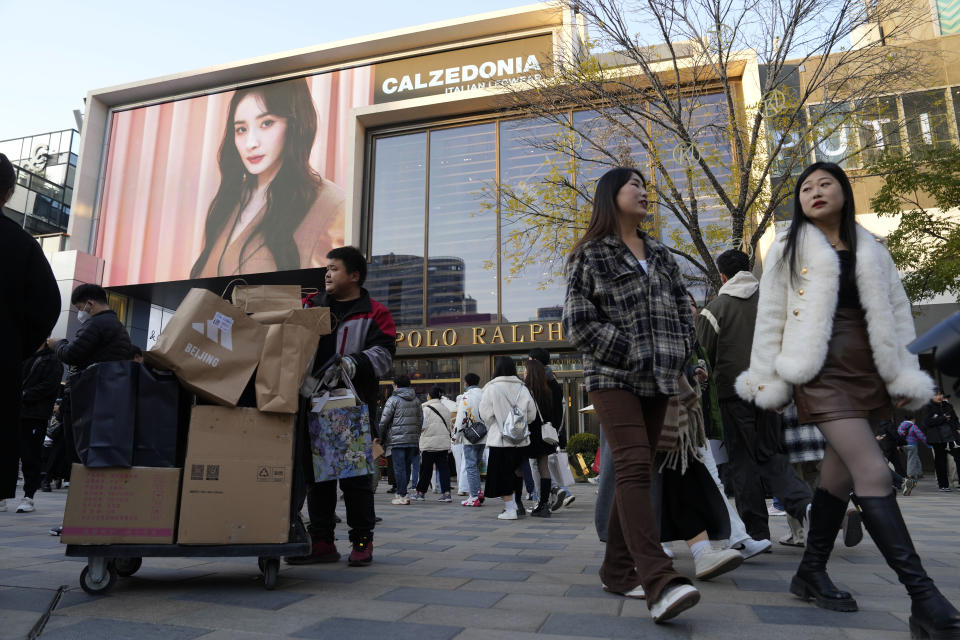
(363, 344)
(752, 436)
(41, 385)
(400, 427)
(939, 423)
(100, 338)
(31, 302)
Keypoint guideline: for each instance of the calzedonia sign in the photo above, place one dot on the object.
(527, 333)
(479, 67)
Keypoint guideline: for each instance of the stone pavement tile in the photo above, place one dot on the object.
(24, 599)
(444, 536)
(331, 604)
(873, 634)
(545, 546)
(139, 608)
(99, 628)
(242, 596)
(535, 588)
(705, 614)
(815, 616)
(502, 557)
(396, 559)
(545, 575)
(279, 623)
(598, 626)
(416, 580)
(554, 536)
(342, 574)
(483, 574)
(16, 625)
(494, 634)
(340, 628)
(477, 618)
(233, 634)
(478, 599)
(464, 527)
(567, 604)
(415, 546)
(722, 631)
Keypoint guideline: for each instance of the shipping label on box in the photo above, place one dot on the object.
(121, 506)
(238, 477)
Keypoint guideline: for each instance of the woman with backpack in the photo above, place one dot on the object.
(507, 407)
(470, 432)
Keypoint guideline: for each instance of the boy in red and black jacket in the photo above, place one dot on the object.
(364, 340)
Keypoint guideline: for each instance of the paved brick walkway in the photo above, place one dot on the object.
(443, 571)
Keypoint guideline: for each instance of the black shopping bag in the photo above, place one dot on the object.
(157, 419)
(103, 401)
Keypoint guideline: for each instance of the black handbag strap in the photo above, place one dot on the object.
(434, 409)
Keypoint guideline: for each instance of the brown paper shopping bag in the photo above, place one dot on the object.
(292, 338)
(211, 345)
(254, 298)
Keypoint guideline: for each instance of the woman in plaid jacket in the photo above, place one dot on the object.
(627, 311)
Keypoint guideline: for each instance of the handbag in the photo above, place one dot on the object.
(341, 442)
(548, 433)
(473, 430)
(514, 428)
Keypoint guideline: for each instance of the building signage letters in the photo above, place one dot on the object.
(525, 333)
(477, 67)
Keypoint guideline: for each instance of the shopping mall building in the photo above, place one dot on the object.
(410, 134)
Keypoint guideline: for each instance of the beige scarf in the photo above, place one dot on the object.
(683, 431)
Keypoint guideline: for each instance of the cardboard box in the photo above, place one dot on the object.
(121, 506)
(238, 477)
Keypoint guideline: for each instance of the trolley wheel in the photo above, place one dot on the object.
(271, 567)
(98, 580)
(126, 567)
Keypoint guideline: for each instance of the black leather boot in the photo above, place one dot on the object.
(543, 506)
(931, 615)
(811, 580)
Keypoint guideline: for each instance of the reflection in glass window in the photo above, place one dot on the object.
(532, 285)
(395, 276)
(427, 369)
(879, 127)
(462, 240)
(837, 140)
(926, 118)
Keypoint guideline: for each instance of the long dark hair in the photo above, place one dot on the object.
(504, 366)
(291, 192)
(536, 381)
(604, 220)
(848, 218)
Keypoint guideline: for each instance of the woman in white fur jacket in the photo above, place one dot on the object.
(504, 475)
(833, 323)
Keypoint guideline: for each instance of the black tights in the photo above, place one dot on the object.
(853, 460)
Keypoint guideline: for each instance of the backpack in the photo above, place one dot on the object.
(514, 428)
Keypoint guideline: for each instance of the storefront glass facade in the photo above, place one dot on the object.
(46, 167)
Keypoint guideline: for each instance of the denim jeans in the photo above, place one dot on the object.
(472, 454)
(414, 474)
(914, 468)
(403, 458)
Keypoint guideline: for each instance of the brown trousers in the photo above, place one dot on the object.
(631, 425)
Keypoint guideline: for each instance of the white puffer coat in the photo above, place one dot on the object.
(795, 321)
(436, 428)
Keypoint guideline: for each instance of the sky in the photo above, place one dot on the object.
(55, 51)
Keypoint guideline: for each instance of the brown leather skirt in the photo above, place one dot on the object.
(848, 385)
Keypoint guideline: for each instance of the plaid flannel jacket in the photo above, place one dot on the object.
(635, 331)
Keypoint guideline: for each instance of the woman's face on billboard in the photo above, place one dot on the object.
(259, 136)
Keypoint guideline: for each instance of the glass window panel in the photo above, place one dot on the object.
(879, 128)
(74, 143)
(836, 134)
(395, 275)
(926, 118)
(532, 286)
(462, 269)
(71, 175)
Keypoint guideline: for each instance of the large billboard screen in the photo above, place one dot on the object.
(244, 181)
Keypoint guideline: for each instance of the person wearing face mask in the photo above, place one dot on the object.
(100, 338)
(31, 306)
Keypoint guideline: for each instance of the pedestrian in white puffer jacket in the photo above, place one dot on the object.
(504, 475)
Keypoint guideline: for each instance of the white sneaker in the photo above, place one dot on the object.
(398, 500)
(636, 592)
(667, 550)
(773, 511)
(673, 601)
(25, 506)
(751, 547)
(711, 564)
(507, 514)
(3, 505)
